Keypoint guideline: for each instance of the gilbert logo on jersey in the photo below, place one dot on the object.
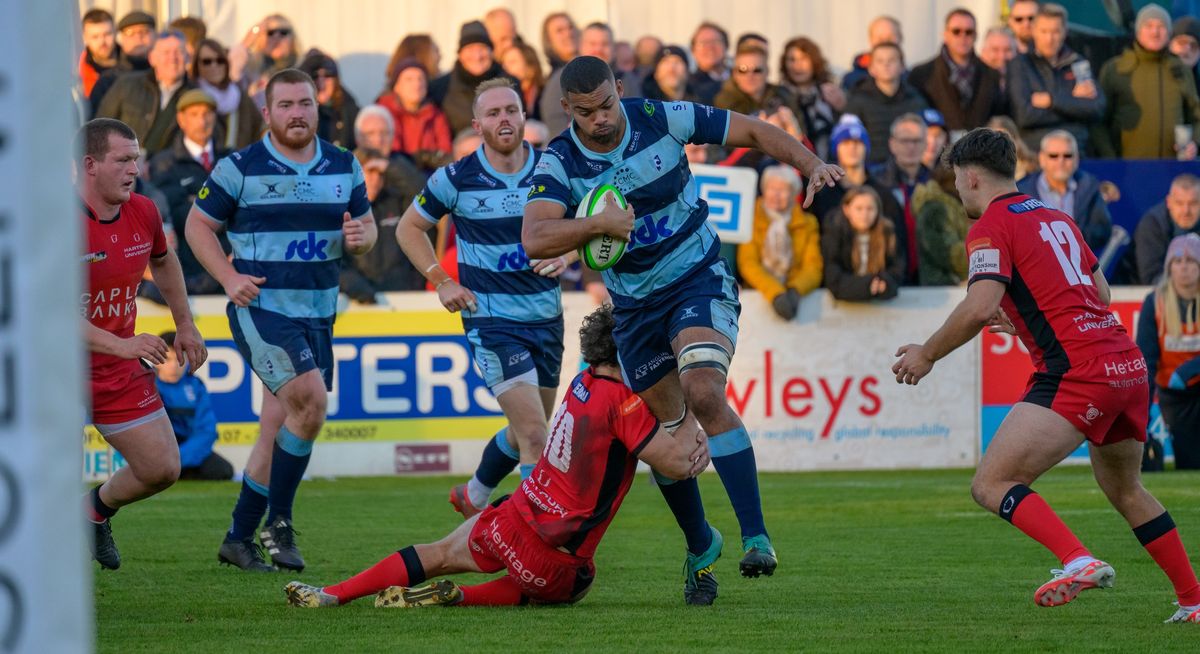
(95, 257)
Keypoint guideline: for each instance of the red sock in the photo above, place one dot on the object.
(402, 568)
(497, 592)
(1027, 511)
(1161, 540)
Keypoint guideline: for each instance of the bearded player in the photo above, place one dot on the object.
(291, 204)
(546, 533)
(675, 301)
(1032, 275)
(511, 306)
(124, 236)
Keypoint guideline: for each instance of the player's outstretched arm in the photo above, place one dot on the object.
(411, 235)
(971, 315)
(677, 456)
(747, 132)
(168, 276)
(545, 233)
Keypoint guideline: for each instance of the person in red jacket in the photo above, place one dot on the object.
(422, 131)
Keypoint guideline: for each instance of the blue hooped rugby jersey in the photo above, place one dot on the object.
(488, 207)
(671, 236)
(284, 221)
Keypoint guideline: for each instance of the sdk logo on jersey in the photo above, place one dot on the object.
(308, 249)
(515, 260)
(651, 231)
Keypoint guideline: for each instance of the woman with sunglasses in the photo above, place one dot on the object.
(241, 121)
(747, 90)
(269, 47)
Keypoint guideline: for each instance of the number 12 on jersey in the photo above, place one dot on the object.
(1058, 233)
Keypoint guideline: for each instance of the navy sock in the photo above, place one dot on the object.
(249, 510)
(289, 460)
(101, 510)
(733, 457)
(683, 498)
(498, 460)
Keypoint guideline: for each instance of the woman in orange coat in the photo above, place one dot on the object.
(1169, 336)
(783, 258)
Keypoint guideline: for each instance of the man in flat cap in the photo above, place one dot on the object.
(180, 169)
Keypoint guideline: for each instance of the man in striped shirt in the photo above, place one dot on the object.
(511, 305)
(291, 204)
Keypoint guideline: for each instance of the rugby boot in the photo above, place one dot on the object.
(244, 554)
(1185, 614)
(759, 558)
(438, 593)
(308, 597)
(1066, 586)
(279, 539)
(699, 581)
(104, 549)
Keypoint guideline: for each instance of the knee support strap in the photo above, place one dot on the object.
(704, 354)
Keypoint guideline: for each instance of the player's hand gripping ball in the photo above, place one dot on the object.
(602, 252)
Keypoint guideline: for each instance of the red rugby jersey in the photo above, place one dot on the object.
(1051, 298)
(588, 463)
(115, 257)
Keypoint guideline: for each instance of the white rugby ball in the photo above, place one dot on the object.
(602, 252)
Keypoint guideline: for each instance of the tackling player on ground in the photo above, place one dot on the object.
(546, 533)
(1032, 275)
(124, 235)
(511, 306)
(291, 204)
(675, 301)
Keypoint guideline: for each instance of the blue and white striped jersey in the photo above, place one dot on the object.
(671, 236)
(284, 221)
(488, 207)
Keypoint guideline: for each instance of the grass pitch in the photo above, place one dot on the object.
(869, 561)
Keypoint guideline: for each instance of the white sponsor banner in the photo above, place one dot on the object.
(817, 393)
(730, 192)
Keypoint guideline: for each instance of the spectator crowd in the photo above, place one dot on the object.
(893, 221)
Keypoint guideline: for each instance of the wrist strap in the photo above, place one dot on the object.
(431, 267)
(439, 284)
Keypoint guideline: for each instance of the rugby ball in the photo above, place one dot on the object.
(602, 252)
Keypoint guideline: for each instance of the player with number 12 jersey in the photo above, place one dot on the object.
(1053, 302)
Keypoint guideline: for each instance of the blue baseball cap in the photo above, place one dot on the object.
(933, 118)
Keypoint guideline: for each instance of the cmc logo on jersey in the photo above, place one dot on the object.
(307, 249)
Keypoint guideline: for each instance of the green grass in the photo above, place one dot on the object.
(897, 561)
